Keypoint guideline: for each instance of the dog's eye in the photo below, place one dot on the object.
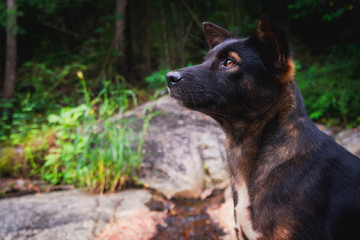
(229, 63)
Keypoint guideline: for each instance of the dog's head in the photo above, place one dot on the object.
(239, 77)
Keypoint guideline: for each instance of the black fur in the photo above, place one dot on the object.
(301, 183)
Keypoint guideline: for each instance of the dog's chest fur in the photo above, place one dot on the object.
(244, 227)
(243, 222)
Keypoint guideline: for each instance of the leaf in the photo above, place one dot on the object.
(51, 159)
(68, 148)
(53, 118)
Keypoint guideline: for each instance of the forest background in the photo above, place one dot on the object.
(70, 66)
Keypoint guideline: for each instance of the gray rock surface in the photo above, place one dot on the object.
(179, 146)
(65, 215)
(350, 139)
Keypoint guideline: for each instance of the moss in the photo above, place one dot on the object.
(10, 162)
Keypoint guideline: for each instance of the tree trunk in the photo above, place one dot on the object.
(117, 43)
(10, 62)
(119, 33)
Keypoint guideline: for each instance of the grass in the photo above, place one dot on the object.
(92, 150)
(83, 145)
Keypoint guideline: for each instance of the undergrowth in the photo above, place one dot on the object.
(82, 145)
(330, 87)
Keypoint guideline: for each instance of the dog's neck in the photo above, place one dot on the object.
(250, 143)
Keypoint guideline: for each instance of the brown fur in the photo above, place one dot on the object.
(235, 56)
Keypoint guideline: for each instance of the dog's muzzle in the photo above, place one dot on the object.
(173, 77)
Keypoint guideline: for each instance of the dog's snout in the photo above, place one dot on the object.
(173, 77)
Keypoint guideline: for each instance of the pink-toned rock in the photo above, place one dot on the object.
(136, 225)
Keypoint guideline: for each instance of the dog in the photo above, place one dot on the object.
(289, 180)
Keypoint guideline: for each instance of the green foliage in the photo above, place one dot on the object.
(8, 162)
(25, 159)
(40, 89)
(80, 144)
(331, 87)
(156, 83)
(92, 149)
(328, 10)
(24, 123)
(46, 84)
(157, 79)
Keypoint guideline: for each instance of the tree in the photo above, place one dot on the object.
(119, 26)
(10, 62)
(117, 43)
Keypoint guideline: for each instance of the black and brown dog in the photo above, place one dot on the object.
(289, 180)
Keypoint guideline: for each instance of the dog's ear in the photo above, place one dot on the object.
(214, 34)
(274, 49)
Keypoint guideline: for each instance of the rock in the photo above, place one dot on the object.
(350, 139)
(139, 224)
(215, 164)
(66, 214)
(133, 220)
(179, 145)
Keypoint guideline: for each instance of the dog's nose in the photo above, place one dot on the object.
(173, 77)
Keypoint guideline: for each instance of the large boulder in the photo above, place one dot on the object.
(183, 151)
